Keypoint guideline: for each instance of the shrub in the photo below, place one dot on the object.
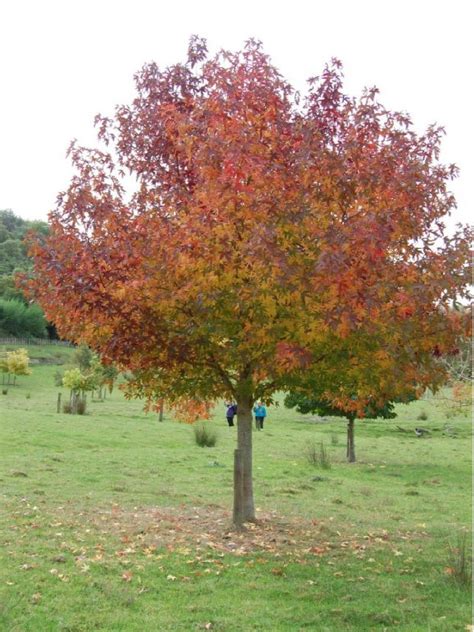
(205, 436)
(422, 416)
(67, 408)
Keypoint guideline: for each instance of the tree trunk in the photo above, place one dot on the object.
(244, 508)
(350, 441)
(238, 517)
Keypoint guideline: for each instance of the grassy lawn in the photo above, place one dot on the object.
(114, 521)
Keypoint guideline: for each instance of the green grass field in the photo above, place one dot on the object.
(114, 521)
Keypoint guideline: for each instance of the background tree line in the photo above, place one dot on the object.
(17, 316)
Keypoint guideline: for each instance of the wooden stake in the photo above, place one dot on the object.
(238, 516)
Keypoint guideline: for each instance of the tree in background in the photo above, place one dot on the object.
(14, 363)
(9, 290)
(84, 356)
(264, 229)
(322, 407)
(90, 362)
(17, 318)
(457, 399)
(91, 375)
(79, 384)
(364, 364)
(104, 376)
(13, 255)
(458, 364)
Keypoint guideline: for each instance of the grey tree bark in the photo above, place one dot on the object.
(244, 507)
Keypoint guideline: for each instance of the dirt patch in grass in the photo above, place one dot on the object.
(209, 528)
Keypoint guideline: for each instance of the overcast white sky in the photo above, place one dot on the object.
(63, 61)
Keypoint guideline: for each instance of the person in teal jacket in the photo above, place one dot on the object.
(260, 413)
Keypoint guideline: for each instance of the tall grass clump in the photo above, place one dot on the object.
(205, 436)
(318, 456)
(460, 561)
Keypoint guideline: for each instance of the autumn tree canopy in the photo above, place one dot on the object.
(263, 229)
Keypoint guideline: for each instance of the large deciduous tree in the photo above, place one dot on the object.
(262, 229)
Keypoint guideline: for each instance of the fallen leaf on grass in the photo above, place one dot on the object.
(149, 550)
(35, 598)
(127, 576)
(59, 559)
(317, 550)
(171, 578)
(61, 576)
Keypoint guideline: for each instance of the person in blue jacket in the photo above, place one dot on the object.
(260, 413)
(230, 413)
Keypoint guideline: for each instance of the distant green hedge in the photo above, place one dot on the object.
(20, 320)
